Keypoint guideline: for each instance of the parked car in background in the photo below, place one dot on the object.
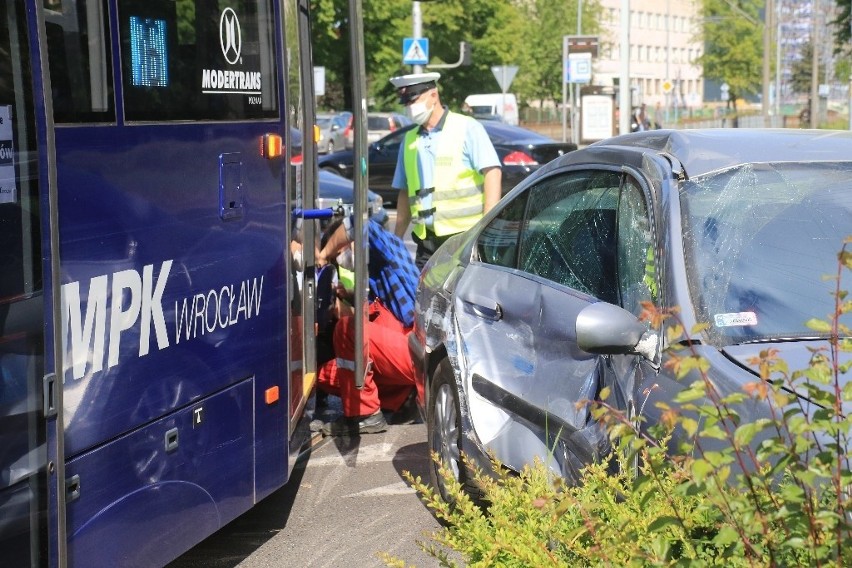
(521, 152)
(535, 309)
(379, 124)
(499, 106)
(333, 189)
(332, 131)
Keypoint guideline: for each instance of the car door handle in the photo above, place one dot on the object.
(486, 308)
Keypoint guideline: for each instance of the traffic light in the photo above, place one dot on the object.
(465, 53)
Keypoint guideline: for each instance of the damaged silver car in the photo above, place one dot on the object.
(535, 309)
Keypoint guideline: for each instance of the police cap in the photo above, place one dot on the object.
(412, 86)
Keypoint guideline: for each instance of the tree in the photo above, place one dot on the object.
(801, 71)
(492, 27)
(843, 27)
(540, 74)
(733, 45)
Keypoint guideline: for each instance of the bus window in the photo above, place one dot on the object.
(189, 60)
(22, 432)
(79, 57)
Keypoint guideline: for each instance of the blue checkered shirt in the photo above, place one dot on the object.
(393, 275)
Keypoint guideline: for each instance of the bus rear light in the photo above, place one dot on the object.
(271, 146)
(271, 395)
(518, 158)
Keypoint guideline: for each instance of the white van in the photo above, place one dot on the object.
(493, 105)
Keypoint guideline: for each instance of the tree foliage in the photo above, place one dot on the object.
(843, 27)
(524, 33)
(548, 21)
(733, 44)
(802, 71)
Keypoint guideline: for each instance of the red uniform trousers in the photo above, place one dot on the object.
(390, 377)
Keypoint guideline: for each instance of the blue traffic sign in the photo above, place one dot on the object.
(415, 51)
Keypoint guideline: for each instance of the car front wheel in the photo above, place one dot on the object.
(443, 424)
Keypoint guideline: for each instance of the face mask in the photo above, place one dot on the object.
(346, 259)
(419, 112)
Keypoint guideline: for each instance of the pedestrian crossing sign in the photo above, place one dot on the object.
(415, 51)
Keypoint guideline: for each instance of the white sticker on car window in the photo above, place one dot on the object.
(736, 319)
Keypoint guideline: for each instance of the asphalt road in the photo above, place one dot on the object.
(346, 502)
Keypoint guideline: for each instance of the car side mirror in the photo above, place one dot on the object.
(610, 330)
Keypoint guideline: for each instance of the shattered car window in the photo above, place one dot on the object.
(570, 237)
(637, 273)
(758, 239)
(498, 243)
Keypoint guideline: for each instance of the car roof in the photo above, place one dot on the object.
(709, 150)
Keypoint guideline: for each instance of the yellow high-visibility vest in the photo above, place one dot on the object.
(458, 199)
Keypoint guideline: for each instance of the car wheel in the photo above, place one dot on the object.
(444, 431)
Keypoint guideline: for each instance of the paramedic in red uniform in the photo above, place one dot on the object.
(390, 376)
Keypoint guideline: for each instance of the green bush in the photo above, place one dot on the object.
(776, 494)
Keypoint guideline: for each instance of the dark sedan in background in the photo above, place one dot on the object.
(521, 152)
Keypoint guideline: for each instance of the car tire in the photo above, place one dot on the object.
(444, 432)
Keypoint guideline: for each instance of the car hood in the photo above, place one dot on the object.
(797, 355)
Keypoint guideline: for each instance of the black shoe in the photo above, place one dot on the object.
(356, 426)
(408, 412)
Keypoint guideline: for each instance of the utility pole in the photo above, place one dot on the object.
(778, 43)
(417, 25)
(768, 12)
(575, 126)
(668, 76)
(625, 110)
(815, 39)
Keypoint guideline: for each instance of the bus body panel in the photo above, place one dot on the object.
(157, 491)
(166, 257)
(150, 200)
(173, 291)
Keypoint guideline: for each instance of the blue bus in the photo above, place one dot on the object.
(155, 368)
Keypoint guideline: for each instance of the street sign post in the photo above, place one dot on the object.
(577, 54)
(579, 68)
(415, 51)
(319, 81)
(504, 74)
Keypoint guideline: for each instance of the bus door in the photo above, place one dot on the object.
(169, 117)
(23, 454)
(301, 193)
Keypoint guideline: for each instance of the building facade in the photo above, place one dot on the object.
(665, 43)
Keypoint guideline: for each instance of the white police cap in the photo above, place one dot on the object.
(412, 86)
(414, 79)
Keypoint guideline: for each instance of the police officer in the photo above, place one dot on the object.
(448, 173)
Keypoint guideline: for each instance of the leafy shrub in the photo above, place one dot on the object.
(775, 493)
